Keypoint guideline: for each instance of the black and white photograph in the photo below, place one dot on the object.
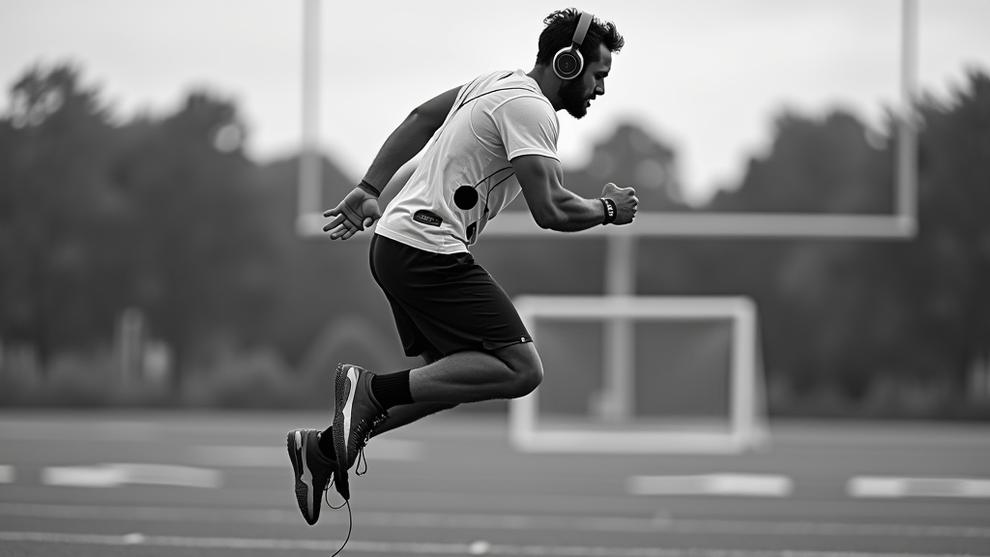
(630, 278)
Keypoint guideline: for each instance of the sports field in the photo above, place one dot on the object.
(218, 484)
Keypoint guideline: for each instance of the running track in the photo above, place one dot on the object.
(218, 485)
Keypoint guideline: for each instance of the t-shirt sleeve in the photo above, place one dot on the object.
(528, 126)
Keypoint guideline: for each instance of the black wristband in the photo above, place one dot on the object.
(610, 210)
(369, 189)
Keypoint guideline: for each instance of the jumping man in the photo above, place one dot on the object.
(491, 138)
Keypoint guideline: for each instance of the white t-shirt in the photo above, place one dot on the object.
(495, 118)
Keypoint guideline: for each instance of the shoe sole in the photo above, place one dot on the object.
(304, 495)
(343, 401)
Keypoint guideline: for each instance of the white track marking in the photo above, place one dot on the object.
(118, 474)
(417, 548)
(747, 485)
(163, 474)
(897, 487)
(82, 476)
(7, 474)
(263, 456)
(503, 522)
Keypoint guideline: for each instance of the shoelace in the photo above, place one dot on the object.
(350, 518)
(361, 459)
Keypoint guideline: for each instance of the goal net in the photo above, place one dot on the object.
(643, 374)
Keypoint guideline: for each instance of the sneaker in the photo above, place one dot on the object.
(312, 471)
(356, 413)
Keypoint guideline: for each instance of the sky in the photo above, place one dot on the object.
(705, 76)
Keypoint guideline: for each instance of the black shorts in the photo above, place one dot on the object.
(443, 303)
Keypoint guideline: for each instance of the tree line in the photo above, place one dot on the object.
(168, 214)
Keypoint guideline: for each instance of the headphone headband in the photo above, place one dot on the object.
(568, 62)
(584, 23)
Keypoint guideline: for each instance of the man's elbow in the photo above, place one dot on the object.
(421, 118)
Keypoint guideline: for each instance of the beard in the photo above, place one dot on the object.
(574, 98)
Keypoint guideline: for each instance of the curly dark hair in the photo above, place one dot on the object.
(559, 31)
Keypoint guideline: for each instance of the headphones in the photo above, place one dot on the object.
(568, 62)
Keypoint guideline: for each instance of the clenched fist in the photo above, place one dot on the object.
(625, 202)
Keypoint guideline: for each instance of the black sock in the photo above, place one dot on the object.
(391, 389)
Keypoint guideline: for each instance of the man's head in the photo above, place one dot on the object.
(601, 40)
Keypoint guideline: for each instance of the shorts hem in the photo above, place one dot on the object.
(491, 346)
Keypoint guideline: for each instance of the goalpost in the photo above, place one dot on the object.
(899, 224)
(619, 309)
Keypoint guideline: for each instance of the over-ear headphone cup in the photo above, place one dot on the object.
(465, 197)
(568, 63)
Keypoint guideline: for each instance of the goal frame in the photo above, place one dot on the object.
(747, 412)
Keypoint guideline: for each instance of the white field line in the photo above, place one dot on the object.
(744, 485)
(499, 522)
(118, 474)
(417, 548)
(168, 474)
(268, 456)
(898, 487)
(7, 474)
(82, 476)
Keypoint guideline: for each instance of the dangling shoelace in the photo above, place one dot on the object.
(361, 459)
(350, 518)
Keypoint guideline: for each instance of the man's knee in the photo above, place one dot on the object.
(527, 369)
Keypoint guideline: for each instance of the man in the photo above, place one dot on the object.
(491, 138)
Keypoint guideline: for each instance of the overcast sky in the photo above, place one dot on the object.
(706, 76)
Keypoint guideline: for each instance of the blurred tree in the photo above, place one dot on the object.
(918, 312)
(944, 276)
(809, 292)
(199, 252)
(815, 167)
(631, 157)
(319, 284)
(56, 210)
(168, 215)
(847, 313)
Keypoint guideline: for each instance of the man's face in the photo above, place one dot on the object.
(578, 93)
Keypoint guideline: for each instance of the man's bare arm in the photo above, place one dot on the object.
(409, 138)
(555, 207)
(359, 209)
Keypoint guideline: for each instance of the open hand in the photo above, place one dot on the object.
(357, 211)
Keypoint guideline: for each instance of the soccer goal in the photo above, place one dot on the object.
(618, 415)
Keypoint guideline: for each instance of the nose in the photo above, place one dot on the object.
(600, 88)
